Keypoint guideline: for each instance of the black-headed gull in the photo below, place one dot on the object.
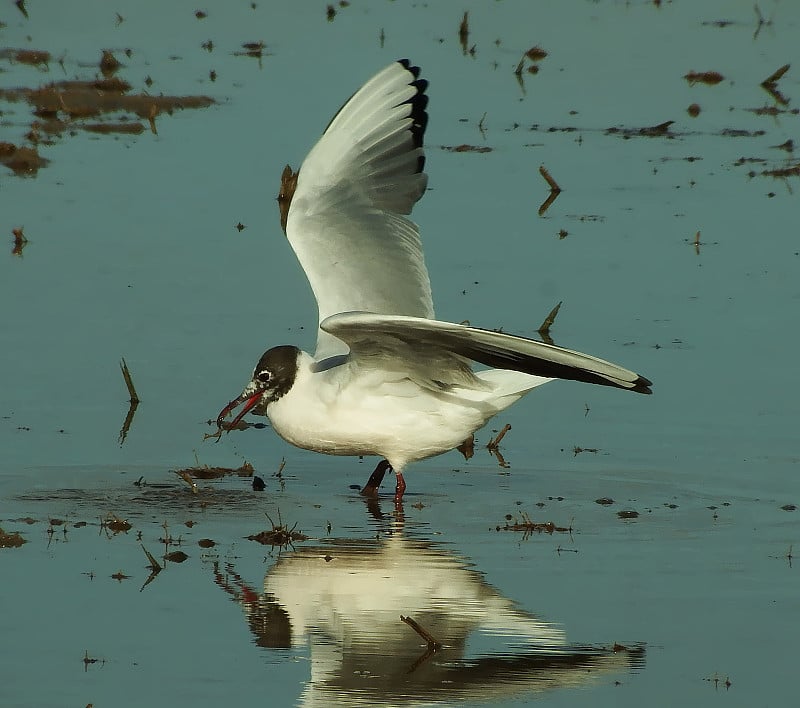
(387, 378)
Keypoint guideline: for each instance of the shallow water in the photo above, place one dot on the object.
(133, 250)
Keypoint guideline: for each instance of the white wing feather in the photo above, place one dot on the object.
(345, 221)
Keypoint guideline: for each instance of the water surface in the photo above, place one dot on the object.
(133, 250)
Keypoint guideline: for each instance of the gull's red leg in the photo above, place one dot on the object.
(400, 489)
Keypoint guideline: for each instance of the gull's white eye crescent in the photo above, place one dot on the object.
(264, 376)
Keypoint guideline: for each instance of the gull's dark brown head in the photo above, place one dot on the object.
(272, 378)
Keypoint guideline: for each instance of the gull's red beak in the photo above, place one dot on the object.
(250, 401)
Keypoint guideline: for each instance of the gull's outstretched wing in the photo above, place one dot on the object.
(364, 330)
(345, 219)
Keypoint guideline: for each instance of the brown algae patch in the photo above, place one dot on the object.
(102, 105)
(11, 540)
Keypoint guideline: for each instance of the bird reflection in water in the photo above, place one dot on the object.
(345, 598)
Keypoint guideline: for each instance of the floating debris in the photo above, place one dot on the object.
(133, 401)
(11, 540)
(717, 681)
(206, 472)
(126, 375)
(466, 148)
(123, 128)
(544, 328)
(186, 477)
(114, 524)
(536, 53)
(741, 133)
(23, 161)
(555, 190)
(653, 131)
(254, 50)
(775, 76)
(176, 557)
(32, 57)
(578, 450)
(109, 64)
(791, 171)
(770, 84)
(693, 110)
(278, 535)
(463, 33)
(628, 514)
(772, 90)
(63, 106)
(19, 240)
(524, 523)
(154, 567)
(711, 78)
(88, 660)
(433, 645)
(494, 443)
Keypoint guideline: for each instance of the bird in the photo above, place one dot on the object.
(387, 379)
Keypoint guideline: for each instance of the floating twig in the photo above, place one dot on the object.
(549, 179)
(134, 401)
(155, 568)
(770, 85)
(761, 22)
(481, 126)
(494, 443)
(463, 32)
(126, 374)
(433, 645)
(544, 328)
(776, 75)
(186, 477)
(555, 190)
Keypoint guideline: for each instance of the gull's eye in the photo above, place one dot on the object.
(264, 376)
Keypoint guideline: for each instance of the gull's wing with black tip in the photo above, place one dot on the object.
(345, 219)
(364, 330)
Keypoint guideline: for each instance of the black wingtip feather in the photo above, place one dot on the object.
(419, 105)
(543, 367)
(642, 385)
(410, 67)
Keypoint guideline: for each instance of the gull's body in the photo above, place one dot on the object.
(387, 378)
(346, 410)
